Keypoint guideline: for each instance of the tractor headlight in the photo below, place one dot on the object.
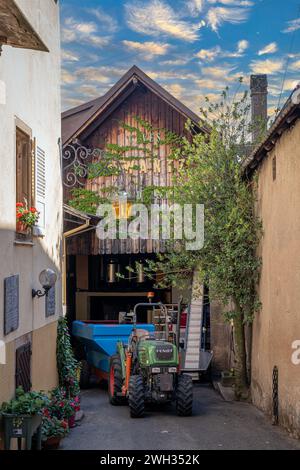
(172, 370)
(155, 370)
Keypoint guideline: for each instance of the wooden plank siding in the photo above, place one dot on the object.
(148, 106)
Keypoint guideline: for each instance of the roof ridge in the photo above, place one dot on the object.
(117, 87)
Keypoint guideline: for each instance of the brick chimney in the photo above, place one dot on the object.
(259, 105)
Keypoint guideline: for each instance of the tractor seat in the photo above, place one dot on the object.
(140, 335)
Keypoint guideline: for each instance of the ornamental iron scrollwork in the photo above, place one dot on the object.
(76, 160)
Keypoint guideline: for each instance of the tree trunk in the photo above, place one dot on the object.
(241, 387)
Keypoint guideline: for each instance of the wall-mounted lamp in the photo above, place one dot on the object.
(47, 279)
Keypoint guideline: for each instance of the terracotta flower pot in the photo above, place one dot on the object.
(21, 227)
(52, 443)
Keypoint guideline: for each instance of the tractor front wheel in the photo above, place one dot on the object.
(136, 396)
(184, 395)
(115, 381)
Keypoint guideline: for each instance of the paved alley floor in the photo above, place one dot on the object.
(215, 424)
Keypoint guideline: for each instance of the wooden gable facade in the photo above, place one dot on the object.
(100, 122)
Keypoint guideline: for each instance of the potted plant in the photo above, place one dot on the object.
(75, 405)
(61, 406)
(67, 365)
(26, 216)
(22, 416)
(53, 430)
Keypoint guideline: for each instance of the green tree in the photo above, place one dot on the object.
(210, 173)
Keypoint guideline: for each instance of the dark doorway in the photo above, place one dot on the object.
(108, 308)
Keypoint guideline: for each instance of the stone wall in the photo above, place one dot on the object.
(277, 326)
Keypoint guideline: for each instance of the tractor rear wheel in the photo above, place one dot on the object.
(136, 396)
(184, 395)
(115, 381)
(85, 372)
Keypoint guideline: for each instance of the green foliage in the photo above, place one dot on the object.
(211, 175)
(86, 200)
(54, 427)
(144, 143)
(29, 403)
(67, 365)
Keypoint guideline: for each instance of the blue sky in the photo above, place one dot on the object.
(191, 47)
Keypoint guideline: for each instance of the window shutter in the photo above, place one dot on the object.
(23, 367)
(41, 186)
(23, 148)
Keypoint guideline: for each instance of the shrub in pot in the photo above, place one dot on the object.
(22, 416)
(53, 430)
(67, 365)
(75, 404)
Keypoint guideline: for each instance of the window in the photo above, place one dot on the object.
(24, 170)
(23, 367)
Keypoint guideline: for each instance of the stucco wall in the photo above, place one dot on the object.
(44, 358)
(31, 81)
(277, 326)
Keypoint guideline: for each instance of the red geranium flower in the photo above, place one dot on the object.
(33, 210)
(19, 204)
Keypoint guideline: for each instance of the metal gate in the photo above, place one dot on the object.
(23, 367)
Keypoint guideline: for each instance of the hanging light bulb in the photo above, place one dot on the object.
(111, 272)
(140, 273)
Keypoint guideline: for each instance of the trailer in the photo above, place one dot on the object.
(100, 341)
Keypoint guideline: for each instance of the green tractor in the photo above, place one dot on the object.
(147, 370)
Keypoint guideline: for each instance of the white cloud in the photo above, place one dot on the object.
(106, 21)
(209, 54)
(295, 65)
(240, 3)
(195, 6)
(156, 17)
(68, 56)
(164, 75)
(149, 49)
(82, 32)
(101, 74)
(67, 78)
(290, 84)
(242, 46)
(266, 66)
(216, 16)
(268, 49)
(171, 62)
(209, 84)
(223, 73)
(175, 89)
(293, 25)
